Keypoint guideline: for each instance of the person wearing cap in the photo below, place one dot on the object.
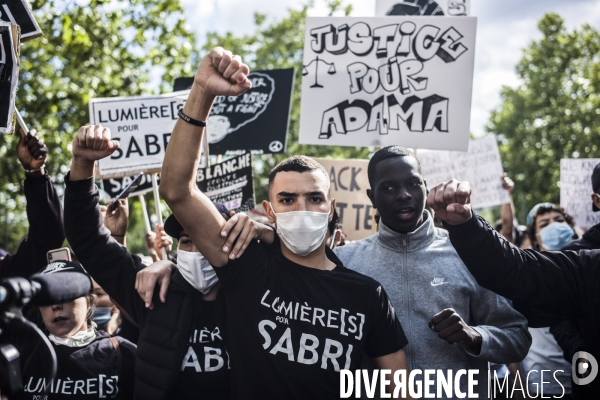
(44, 212)
(167, 366)
(90, 363)
(546, 287)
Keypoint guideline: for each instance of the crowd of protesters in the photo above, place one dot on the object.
(275, 310)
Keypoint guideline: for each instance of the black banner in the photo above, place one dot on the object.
(9, 73)
(114, 186)
(257, 120)
(19, 12)
(229, 182)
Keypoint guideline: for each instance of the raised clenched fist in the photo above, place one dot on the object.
(93, 142)
(451, 201)
(221, 73)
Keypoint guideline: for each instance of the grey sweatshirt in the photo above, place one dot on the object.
(423, 274)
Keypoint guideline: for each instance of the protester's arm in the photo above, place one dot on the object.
(109, 263)
(44, 212)
(545, 287)
(507, 211)
(569, 338)
(219, 73)
(394, 362)
(504, 334)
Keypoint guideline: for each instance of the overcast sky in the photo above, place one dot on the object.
(504, 27)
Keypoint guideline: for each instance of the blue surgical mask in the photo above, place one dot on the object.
(556, 235)
(101, 316)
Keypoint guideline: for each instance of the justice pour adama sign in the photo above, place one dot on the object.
(388, 81)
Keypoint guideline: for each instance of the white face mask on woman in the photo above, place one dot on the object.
(196, 270)
(302, 231)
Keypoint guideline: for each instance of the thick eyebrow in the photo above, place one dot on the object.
(289, 194)
(183, 235)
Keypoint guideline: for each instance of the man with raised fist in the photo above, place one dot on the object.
(295, 315)
(545, 287)
(44, 211)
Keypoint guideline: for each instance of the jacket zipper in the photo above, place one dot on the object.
(407, 294)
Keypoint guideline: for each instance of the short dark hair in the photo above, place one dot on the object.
(384, 154)
(296, 164)
(543, 209)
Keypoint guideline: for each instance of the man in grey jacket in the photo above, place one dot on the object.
(450, 321)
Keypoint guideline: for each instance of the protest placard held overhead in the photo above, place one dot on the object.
(9, 75)
(576, 189)
(257, 120)
(229, 182)
(19, 12)
(451, 8)
(388, 81)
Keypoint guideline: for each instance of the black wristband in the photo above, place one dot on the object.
(190, 120)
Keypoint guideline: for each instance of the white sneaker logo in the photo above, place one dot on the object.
(438, 281)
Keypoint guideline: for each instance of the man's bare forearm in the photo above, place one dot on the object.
(81, 169)
(183, 152)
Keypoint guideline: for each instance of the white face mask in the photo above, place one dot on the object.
(302, 231)
(196, 270)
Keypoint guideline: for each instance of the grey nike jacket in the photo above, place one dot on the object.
(423, 274)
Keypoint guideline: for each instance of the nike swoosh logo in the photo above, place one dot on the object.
(437, 284)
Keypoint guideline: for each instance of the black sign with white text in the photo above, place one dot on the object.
(19, 12)
(229, 182)
(256, 120)
(9, 73)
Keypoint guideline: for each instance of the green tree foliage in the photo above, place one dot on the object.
(90, 48)
(280, 44)
(554, 113)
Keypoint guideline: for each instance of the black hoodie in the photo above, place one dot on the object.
(589, 241)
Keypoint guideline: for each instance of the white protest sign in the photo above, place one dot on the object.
(349, 184)
(576, 190)
(452, 8)
(388, 81)
(481, 166)
(142, 125)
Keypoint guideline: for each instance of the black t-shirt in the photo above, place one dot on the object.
(89, 372)
(205, 370)
(291, 329)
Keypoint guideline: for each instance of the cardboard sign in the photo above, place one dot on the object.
(19, 12)
(9, 75)
(113, 186)
(576, 190)
(142, 125)
(257, 120)
(452, 8)
(349, 184)
(481, 166)
(388, 81)
(229, 182)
